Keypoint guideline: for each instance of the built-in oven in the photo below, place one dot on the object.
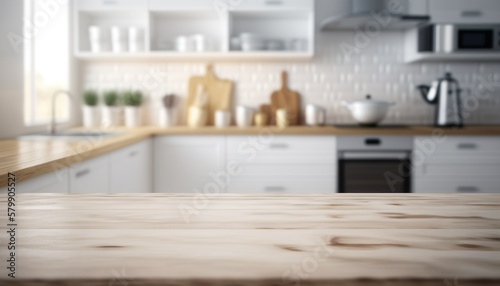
(459, 38)
(374, 164)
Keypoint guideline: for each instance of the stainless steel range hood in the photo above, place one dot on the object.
(389, 14)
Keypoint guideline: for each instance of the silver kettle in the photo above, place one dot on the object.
(445, 92)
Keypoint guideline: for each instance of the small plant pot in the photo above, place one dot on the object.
(90, 116)
(132, 117)
(111, 116)
(168, 117)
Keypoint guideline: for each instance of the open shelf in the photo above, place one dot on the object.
(163, 24)
(195, 56)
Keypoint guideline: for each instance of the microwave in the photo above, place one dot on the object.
(459, 38)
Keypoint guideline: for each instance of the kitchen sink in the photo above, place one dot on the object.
(70, 135)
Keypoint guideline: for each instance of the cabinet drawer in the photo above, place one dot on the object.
(460, 170)
(91, 176)
(100, 5)
(286, 170)
(292, 185)
(133, 151)
(283, 149)
(457, 186)
(459, 145)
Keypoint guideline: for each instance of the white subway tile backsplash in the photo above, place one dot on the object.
(331, 77)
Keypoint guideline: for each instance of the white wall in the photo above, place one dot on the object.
(11, 76)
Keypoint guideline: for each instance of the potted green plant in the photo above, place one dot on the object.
(111, 114)
(90, 111)
(133, 101)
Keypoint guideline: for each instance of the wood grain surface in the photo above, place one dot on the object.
(28, 159)
(341, 239)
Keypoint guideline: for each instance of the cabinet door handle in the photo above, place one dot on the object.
(273, 2)
(472, 13)
(82, 173)
(468, 146)
(467, 189)
(132, 153)
(274, 189)
(278, 146)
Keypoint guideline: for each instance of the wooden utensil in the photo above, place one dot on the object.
(218, 93)
(287, 99)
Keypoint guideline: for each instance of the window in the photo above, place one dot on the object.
(46, 59)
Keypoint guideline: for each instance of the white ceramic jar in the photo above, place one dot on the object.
(244, 116)
(222, 118)
(315, 115)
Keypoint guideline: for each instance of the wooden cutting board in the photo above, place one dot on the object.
(219, 93)
(288, 99)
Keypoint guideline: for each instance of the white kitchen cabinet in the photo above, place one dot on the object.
(91, 176)
(270, 4)
(283, 164)
(457, 164)
(184, 5)
(187, 164)
(464, 11)
(131, 169)
(104, 5)
(53, 182)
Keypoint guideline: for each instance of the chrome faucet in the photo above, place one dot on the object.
(52, 125)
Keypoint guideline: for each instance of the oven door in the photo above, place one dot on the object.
(374, 172)
(475, 39)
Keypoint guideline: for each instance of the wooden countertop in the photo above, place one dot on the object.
(28, 159)
(346, 239)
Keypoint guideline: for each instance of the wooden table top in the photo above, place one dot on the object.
(346, 239)
(31, 158)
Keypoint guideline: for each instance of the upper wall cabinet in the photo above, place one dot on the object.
(465, 11)
(194, 29)
(100, 5)
(269, 4)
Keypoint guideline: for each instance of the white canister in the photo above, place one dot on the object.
(315, 115)
(135, 39)
(168, 117)
(118, 40)
(111, 116)
(199, 43)
(90, 116)
(222, 118)
(132, 116)
(98, 39)
(184, 44)
(244, 116)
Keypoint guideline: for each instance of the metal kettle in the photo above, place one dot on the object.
(445, 93)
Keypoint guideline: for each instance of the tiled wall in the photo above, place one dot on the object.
(378, 69)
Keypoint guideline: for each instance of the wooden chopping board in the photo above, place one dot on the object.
(288, 99)
(219, 93)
